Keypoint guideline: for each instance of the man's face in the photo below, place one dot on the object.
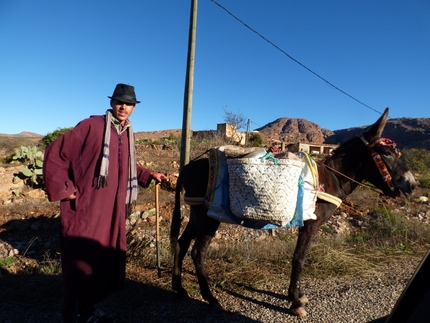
(122, 110)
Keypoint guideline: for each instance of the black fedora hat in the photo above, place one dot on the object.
(124, 93)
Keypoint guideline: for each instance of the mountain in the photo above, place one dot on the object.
(406, 132)
(24, 134)
(295, 130)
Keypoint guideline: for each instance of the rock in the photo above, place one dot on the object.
(35, 193)
(145, 215)
(133, 218)
(423, 199)
(6, 183)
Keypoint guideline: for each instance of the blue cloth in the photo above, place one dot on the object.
(219, 207)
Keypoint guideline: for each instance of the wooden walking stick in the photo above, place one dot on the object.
(157, 229)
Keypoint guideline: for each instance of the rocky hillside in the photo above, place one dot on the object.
(406, 132)
(295, 130)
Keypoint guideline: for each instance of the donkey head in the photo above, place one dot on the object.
(386, 169)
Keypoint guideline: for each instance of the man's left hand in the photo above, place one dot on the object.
(158, 177)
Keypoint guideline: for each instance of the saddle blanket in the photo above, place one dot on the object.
(219, 197)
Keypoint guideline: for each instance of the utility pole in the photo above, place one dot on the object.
(247, 132)
(188, 93)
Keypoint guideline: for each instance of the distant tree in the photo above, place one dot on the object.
(236, 120)
(52, 136)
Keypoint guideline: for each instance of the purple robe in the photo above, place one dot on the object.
(93, 233)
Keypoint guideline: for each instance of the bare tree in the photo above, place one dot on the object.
(236, 120)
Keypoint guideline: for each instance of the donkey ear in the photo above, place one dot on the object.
(375, 131)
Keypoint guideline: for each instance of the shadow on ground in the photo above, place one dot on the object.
(37, 299)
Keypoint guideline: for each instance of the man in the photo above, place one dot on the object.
(92, 170)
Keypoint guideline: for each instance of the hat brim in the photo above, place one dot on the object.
(124, 99)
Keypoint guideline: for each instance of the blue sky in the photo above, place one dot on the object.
(60, 59)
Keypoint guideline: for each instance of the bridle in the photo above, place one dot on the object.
(386, 176)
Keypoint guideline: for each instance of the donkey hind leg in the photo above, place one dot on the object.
(295, 293)
(198, 253)
(181, 249)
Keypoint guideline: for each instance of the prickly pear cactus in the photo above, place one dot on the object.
(32, 173)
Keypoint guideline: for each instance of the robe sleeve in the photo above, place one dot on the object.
(57, 165)
(143, 176)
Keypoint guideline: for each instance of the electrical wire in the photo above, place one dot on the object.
(293, 59)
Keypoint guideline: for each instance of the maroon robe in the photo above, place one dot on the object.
(93, 233)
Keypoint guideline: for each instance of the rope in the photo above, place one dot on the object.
(269, 156)
(351, 179)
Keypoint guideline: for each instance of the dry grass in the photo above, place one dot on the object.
(252, 261)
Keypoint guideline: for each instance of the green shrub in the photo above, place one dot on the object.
(424, 181)
(6, 262)
(386, 223)
(256, 140)
(31, 174)
(52, 136)
(417, 160)
(172, 140)
(144, 141)
(389, 230)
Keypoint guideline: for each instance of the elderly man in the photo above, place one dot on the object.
(92, 170)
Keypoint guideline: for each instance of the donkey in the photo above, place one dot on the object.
(358, 159)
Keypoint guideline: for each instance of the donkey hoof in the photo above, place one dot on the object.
(304, 300)
(300, 311)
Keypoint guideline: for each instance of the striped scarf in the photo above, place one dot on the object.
(132, 185)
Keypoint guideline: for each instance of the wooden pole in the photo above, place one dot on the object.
(157, 229)
(188, 93)
(248, 129)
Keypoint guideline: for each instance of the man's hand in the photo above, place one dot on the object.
(158, 177)
(71, 197)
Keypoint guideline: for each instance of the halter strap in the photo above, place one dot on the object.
(386, 176)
